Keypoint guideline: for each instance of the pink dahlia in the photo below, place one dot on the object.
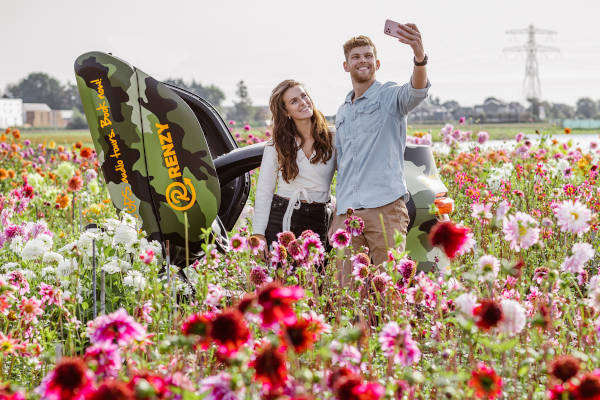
(360, 271)
(105, 358)
(237, 243)
(521, 230)
(284, 238)
(340, 239)
(30, 309)
(313, 249)
(354, 225)
(147, 256)
(117, 327)
(489, 266)
(407, 268)
(573, 217)
(399, 343)
(581, 253)
(483, 137)
(295, 250)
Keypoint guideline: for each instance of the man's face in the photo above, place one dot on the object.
(361, 64)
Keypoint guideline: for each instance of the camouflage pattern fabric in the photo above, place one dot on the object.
(423, 183)
(151, 149)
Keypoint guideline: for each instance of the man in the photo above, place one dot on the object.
(370, 140)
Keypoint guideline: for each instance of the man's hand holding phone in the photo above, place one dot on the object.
(408, 34)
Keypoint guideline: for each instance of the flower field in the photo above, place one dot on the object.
(96, 314)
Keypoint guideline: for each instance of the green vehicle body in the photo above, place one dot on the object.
(143, 134)
(167, 158)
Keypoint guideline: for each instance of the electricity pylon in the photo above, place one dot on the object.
(531, 84)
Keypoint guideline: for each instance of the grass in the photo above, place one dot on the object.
(60, 137)
(497, 131)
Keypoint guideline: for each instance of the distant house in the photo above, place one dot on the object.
(11, 113)
(37, 115)
(493, 110)
(428, 112)
(61, 118)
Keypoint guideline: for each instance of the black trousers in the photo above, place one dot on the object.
(311, 216)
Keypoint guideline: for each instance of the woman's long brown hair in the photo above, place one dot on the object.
(285, 133)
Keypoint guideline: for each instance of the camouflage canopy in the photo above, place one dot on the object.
(151, 149)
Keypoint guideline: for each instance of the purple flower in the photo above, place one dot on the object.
(218, 387)
(483, 137)
(519, 136)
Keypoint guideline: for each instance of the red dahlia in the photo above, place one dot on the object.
(229, 331)
(352, 387)
(75, 183)
(71, 378)
(487, 314)
(276, 302)
(300, 335)
(336, 375)
(148, 386)
(588, 387)
(270, 367)
(486, 382)
(199, 325)
(450, 237)
(111, 389)
(565, 367)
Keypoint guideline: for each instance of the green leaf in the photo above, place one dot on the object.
(523, 370)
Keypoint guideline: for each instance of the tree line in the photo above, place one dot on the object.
(40, 87)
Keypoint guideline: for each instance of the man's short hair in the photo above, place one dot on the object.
(358, 41)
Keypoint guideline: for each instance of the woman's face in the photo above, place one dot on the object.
(297, 103)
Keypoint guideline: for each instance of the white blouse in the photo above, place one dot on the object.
(312, 184)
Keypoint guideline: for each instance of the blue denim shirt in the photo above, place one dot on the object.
(370, 140)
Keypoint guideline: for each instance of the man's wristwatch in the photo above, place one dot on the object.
(422, 63)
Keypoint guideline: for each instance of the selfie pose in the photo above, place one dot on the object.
(297, 167)
(370, 141)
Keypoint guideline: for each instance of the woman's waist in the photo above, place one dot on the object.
(283, 200)
(304, 195)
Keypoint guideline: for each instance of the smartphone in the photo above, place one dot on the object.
(390, 28)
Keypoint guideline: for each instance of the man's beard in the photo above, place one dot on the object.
(359, 78)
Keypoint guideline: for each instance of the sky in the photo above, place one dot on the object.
(221, 42)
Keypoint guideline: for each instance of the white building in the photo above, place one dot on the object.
(11, 113)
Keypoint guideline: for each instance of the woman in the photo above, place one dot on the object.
(296, 169)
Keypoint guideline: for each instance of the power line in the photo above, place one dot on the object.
(531, 84)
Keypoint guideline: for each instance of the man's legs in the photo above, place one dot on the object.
(395, 217)
(344, 267)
